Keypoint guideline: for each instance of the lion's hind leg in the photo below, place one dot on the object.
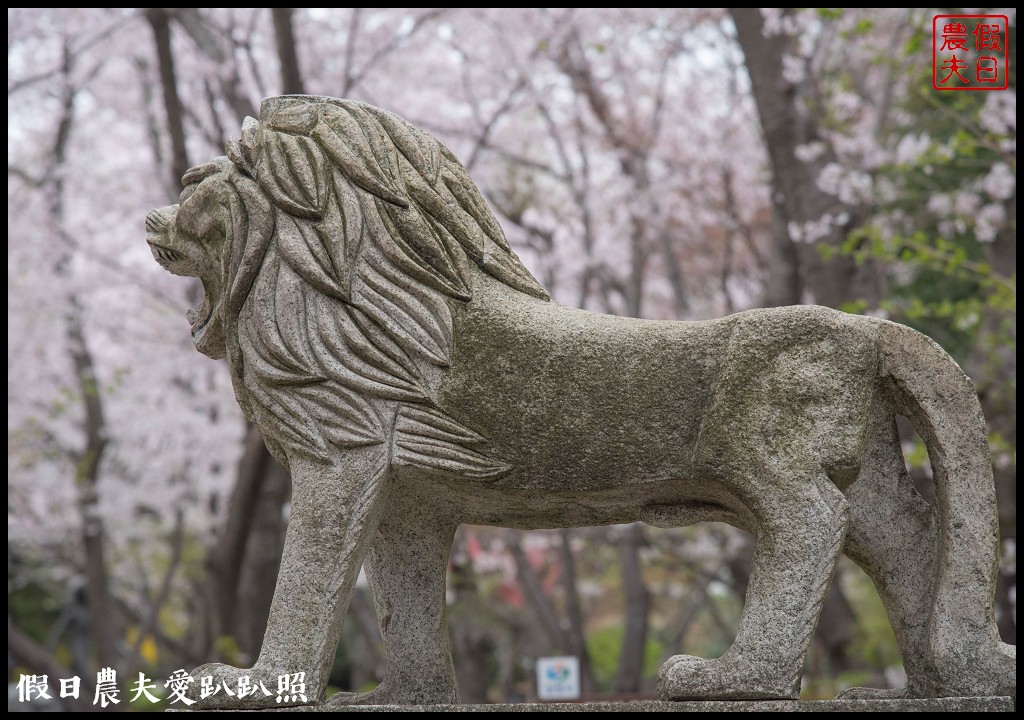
(894, 538)
(800, 534)
(965, 654)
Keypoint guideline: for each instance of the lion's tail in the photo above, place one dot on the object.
(929, 388)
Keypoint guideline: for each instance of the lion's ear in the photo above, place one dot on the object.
(242, 152)
(249, 140)
(292, 170)
(234, 152)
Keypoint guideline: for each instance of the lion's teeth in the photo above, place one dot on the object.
(165, 254)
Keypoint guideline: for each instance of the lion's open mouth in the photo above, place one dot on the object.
(204, 318)
(207, 332)
(199, 316)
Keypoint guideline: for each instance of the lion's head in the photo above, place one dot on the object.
(330, 242)
(189, 239)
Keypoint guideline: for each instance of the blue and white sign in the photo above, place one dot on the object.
(558, 678)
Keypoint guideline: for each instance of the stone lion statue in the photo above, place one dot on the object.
(410, 372)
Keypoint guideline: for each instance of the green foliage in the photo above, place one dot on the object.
(873, 639)
(923, 229)
(916, 42)
(604, 646)
(227, 648)
(34, 606)
(950, 290)
(863, 27)
(938, 232)
(653, 653)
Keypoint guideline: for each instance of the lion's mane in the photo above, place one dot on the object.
(351, 231)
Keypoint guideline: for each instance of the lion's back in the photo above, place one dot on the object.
(596, 400)
(579, 395)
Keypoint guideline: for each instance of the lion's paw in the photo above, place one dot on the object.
(991, 670)
(684, 677)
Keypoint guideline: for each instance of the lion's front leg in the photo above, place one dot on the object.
(406, 569)
(334, 516)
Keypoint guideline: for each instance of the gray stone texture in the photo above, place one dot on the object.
(412, 375)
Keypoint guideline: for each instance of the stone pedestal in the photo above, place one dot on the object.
(966, 704)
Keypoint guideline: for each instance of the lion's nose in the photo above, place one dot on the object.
(159, 235)
(158, 220)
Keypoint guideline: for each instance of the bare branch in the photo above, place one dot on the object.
(210, 45)
(394, 44)
(75, 51)
(354, 26)
(25, 176)
(149, 624)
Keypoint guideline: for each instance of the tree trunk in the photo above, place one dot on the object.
(533, 592)
(159, 21)
(787, 125)
(784, 285)
(362, 642)
(835, 630)
(261, 483)
(88, 459)
(629, 673)
(475, 630)
(993, 366)
(262, 557)
(26, 651)
(88, 476)
(284, 35)
(202, 33)
(577, 640)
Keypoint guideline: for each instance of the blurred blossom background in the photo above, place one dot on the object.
(660, 163)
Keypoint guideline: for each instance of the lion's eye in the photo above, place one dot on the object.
(200, 226)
